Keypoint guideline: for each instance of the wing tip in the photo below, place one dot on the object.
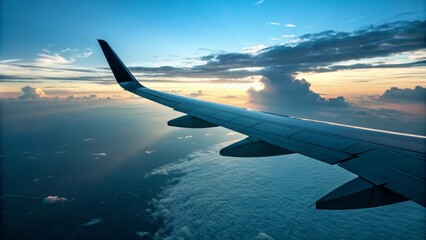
(121, 73)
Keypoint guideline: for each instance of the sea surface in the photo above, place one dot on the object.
(102, 169)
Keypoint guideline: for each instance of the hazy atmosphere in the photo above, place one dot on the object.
(83, 159)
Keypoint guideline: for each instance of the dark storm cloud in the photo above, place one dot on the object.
(394, 94)
(366, 66)
(324, 48)
(313, 52)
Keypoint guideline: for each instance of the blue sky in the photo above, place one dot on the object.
(150, 31)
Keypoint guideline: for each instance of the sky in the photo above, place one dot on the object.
(328, 59)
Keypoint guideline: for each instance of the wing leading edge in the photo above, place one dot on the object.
(391, 166)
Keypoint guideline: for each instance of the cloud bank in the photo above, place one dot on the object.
(268, 198)
(398, 95)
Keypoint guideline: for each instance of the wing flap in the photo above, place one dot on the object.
(188, 121)
(251, 147)
(385, 167)
(358, 193)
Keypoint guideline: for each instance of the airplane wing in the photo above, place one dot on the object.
(391, 167)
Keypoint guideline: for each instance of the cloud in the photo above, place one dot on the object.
(178, 92)
(10, 60)
(310, 52)
(254, 49)
(101, 154)
(52, 59)
(64, 57)
(259, 2)
(260, 197)
(142, 234)
(149, 151)
(199, 93)
(185, 137)
(88, 97)
(328, 47)
(86, 53)
(64, 50)
(407, 95)
(92, 222)
(289, 25)
(263, 236)
(32, 93)
(354, 20)
(323, 51)
(37, 93)
(229, 96)
(54, 199)
(88, 139)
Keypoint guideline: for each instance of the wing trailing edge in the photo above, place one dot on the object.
(358, 193)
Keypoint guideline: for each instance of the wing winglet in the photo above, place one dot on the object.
(121, 73)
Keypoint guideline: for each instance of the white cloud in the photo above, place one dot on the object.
(88, 139)
(260, 1)
(69, 50)
(149, 151)
(263, 195)
(263, 236)
(52, 59)
(10, 60)
(288, 36)
(92, 222)
(273, 23)
(290, 25)
(185, 137)
(54, 199)
(254, 49)
(66, 56)
(32, 93)
(102, 154)
(250, 69)
(354, 20)
(87, 53)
